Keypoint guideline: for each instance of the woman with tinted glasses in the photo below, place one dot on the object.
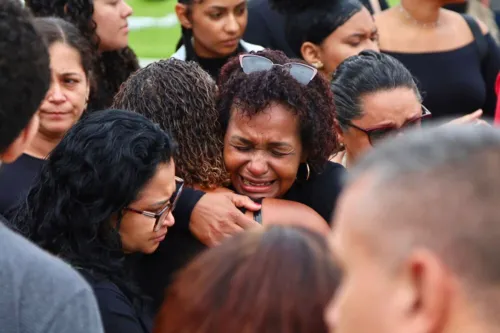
(277, 119)
(106, 191)
(375, 97)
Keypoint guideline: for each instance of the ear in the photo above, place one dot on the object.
(339, 131)
(16, 148)
(427, 298)
(182, 12)
(311, 54)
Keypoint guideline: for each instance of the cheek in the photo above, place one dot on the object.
(134, 231)
(286, 169)
(233, 160)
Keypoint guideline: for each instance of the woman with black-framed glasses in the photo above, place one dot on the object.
(107, 191)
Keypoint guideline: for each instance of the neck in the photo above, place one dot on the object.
(42, 145)
(422, 12)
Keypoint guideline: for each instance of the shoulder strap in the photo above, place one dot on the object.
(481, 42)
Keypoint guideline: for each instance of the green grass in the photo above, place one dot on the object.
(154, 42)
(160, 42)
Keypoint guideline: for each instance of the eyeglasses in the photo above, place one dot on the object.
(376, 134)
(251, 63)
(163, 213)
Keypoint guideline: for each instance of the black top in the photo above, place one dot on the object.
(454, 83)
(117, 311)
(156, 271)
(16, 180)
(458, 7)
(212, 65)
(266, 27)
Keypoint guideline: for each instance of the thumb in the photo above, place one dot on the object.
(243, 201)
(467, 118)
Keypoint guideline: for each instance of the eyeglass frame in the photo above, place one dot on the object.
(165, 211)
(314, 70)
(426, 114)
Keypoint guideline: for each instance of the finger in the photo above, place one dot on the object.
(468, 118)
(245, 222)
(243, 201)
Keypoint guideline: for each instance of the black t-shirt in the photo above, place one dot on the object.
(156, 271)
(16, 180)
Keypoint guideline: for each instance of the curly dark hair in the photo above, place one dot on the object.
(111, 68)
(180, 97)
(98, 169)
(313, 103)
(25, 68)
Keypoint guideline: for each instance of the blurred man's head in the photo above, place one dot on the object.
(24, 78)
(417, 235)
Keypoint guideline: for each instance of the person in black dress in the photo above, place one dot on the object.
(452, 56)
(107, 191)
(62, 107)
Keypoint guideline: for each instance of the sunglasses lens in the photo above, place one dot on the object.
(303, 74)
(380, 134)
(251, 64)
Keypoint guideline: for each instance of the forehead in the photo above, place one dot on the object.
(218, 3)
(396, 106)
(361, 22)
(275, 121)
(64, 58)
(162, 185)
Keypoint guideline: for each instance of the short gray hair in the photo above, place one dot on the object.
(439, 188)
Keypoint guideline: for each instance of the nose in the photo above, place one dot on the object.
(258, 166)
(127, 10)
(371, 45)
(55, 94)
(232, 26)
(169, 220)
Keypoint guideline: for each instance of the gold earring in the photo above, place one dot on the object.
(318, 65)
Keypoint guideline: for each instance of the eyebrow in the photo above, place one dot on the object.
(248, 142)
(160, 204)
(70, 73)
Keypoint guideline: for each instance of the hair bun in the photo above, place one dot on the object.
(296, 6)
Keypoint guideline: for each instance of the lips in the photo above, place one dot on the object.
(256, 183)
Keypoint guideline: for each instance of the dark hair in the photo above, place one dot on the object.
(111, 68)
(98, 169)
(275, 280)
(55, 30)
(24, 68)
(180, 97)
(312, 104)
(313, 20)
(366, 73)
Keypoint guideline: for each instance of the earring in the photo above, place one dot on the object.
(318, 65)
(308, 171)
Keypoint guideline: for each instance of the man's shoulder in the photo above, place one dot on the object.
(22, 260)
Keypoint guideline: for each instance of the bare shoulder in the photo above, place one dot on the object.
(284, 212)
(457, 19)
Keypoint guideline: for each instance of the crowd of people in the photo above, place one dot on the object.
(334, 171)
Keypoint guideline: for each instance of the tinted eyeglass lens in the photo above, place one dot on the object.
(302, 74)
(252, 64)
(161, 218)
(380, 134)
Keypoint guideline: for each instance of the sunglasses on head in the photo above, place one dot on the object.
(375, 134)
(251, 63)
